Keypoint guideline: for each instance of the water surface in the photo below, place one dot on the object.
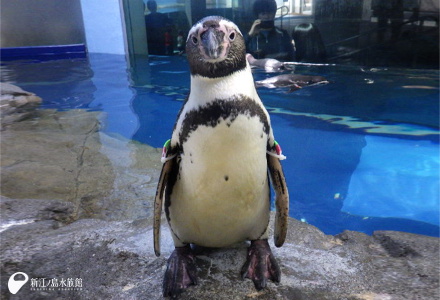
(363, 150)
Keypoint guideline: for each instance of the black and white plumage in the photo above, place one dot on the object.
(214, 180)
(292, 81)
(268, 64)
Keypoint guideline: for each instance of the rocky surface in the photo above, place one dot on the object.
(76, 205)
(16, 104)
(115, 260)
(63, 156)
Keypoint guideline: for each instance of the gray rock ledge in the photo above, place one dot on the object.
(115, 260)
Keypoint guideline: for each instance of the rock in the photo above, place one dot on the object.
(33, 210)
(63, 156)
(16, 104)
(115, 260)
(10, 89)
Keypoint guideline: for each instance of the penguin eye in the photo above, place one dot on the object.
(194, 40)
(232, 36)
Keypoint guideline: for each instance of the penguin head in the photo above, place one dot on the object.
(215, 48)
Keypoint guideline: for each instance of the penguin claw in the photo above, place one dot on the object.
(261, 265)
(181, 272)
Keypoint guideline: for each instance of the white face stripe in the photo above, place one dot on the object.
(194, 29)
(230, 25)
(199, 25)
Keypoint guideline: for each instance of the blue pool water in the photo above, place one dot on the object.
(362, 151)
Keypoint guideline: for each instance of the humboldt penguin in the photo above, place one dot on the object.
(268, 64)
(293, 81)
(214, 183)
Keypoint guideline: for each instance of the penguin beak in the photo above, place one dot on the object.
(213, 43)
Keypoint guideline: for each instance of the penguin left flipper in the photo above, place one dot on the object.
(281, 199)
(158, 202)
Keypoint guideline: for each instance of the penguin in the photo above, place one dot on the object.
(214, 183)
(294, 81)
(268, 64)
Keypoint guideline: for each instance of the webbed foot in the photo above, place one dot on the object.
(261, 265)
(294, 87)
(181, 272)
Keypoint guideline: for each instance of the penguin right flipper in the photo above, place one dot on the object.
(281, 200)
(158, 201)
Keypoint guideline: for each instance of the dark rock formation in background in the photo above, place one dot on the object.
(16, 104)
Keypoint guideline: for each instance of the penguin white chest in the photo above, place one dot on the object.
(221, 195)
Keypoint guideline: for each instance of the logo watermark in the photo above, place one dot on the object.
(44, 284)
(59, 284)
(15, 285)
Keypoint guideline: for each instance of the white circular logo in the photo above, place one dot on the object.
(15, 285)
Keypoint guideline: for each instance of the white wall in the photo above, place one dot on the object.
(103, 25)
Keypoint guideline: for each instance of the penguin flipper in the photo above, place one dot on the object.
(158, 202)
(281, 200)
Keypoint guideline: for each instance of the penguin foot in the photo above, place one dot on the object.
(181, 272)
(261, 265)
(294, 87)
